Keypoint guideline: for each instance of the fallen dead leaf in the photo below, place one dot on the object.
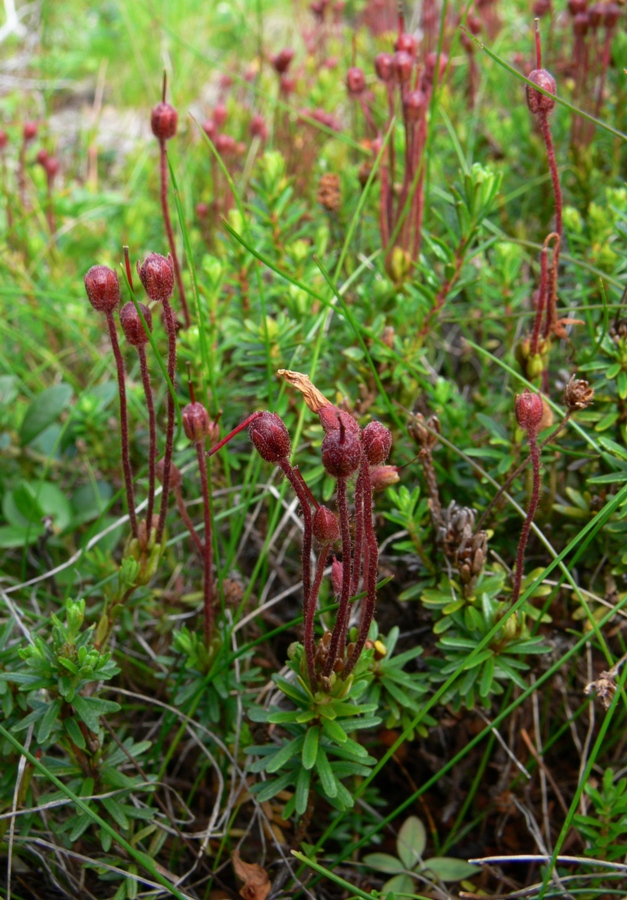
(256, 882)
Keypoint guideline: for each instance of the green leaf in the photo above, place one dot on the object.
(303, 783)
(74, 732)
(400, 884)
(334, 731)
(47, 723)
(411, 841)
(325, 773)
(449, 869)
(43, 411)
(115, 811)
(310, 746)
(288, 751)
(89, 708)
(272, 788)
(384, 862)
(12, 536)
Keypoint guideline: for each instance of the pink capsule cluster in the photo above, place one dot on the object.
(351, 456)
(408, 75)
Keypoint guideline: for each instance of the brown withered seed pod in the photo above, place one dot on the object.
(578, 394)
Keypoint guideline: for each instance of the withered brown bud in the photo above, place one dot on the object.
(132, 324)
(163, 121)
(578, 394)
(341, 452)
(329, 191)
(540, 104)
(529, 410)
(325, 526)
(270, 437)
(422, 431)
(103, 288)
(196, 423)
(377, 443)
(156, 273)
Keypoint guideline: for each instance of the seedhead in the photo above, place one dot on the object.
(132, 324)
(103, 289)
(156, 273)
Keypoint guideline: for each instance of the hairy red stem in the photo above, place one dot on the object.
(170, 325)
(170, 234)
(126, 458)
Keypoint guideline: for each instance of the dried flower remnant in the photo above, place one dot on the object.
(604, 687)
(578, 394)
(329, 195)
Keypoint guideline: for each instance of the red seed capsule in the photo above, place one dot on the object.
(281, 61)
(414, 106)
(376, 440)
(539, 103)
(103, 288)
(325, 526)
(270, 437)
(196, 422)
(529, 410)
(383, 66)
(132, 324)
(402, 64)
(163, 121)
(355, 80)
(341, 452)
(29, 132)
(406, 43)
(156, 273)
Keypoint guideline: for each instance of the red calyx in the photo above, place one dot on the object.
(376, 440)
(355, 80)
(196, 423)
(282, 60)
(163, 121)
(156, 273)
(539, 103)
(341, 452)
(383, 66)
(402, 64)
(270, 437)
(406, 43)
(29, 132)
(132, 324)
(529, 410)
(325, 526)
(103, 288)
